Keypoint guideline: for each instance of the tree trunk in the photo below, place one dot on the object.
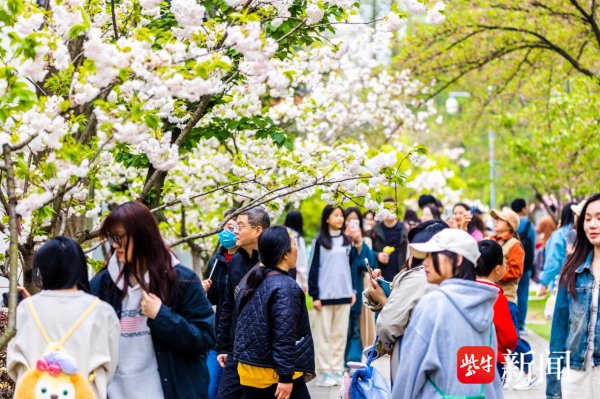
(28, 252)
(13, 248)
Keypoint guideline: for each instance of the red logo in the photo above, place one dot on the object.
(476, 365)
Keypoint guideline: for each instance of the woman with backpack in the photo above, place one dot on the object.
(64, 304)
(330, 286)
(273, 342)
(575, 331)
(166, 319)
(459, 313)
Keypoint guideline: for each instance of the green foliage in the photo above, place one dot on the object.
(124, 155)
(516, 59)
(224, 129)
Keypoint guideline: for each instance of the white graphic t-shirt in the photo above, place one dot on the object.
(137, 370)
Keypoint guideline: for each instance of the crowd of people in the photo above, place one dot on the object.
(425, 286)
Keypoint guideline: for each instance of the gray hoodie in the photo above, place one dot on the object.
(457, 314)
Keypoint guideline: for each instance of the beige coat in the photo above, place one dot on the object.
(94, 345)
(409, 286)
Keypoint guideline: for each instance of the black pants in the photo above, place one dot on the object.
(299, 391)
(229, 386)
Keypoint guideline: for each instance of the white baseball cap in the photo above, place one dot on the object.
(453, 240)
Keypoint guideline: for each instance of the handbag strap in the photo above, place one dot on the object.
(372, 352)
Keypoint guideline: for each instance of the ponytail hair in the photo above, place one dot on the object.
(273, 244)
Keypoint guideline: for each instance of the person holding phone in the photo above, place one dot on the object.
(408, 287)
(358, 267)
(467, 219)
(335, 250)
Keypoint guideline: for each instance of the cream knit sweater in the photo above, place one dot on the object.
(94, 345)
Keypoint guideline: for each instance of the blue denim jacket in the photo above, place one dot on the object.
(555, 255)
(570, 327)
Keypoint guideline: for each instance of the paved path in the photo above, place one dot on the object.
(538, 345)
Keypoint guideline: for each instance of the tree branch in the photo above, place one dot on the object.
(546, 44)
(590, 18)
(262, 201)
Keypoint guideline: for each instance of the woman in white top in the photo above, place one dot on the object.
(60, 269)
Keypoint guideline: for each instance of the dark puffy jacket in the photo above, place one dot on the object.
(218, 271)
(273, 329)
(379, 242)
(182, 334)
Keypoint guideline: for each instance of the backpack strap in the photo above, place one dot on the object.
(38, 322)
(75, 326)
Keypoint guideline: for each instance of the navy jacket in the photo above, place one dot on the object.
(219, 269)
(182, 334)
(240, 264)
(273, 329)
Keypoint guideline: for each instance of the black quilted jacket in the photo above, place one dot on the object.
(273, 329)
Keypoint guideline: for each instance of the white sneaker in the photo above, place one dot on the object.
(526, 383)
(338, 377)
(325, 380)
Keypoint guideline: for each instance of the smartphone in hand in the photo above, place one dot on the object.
(369, 267)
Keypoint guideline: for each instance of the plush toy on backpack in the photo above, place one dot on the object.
(54, 377)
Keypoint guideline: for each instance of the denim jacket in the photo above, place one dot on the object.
(555, 255)
(570, 328)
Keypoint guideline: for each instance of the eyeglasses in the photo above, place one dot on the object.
(243, 226)
(116, 239)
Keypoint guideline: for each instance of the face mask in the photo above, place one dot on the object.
(227, 239)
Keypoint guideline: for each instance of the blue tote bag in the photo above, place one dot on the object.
(368, 383)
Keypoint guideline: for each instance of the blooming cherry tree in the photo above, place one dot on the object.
(191, 106)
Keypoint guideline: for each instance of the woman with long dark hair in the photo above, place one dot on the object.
(330, 286)
(60, 269)
(575, 329)
(166, 319)
(459, 313)
(273, 342)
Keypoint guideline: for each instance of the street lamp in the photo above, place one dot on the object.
(492, 171)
